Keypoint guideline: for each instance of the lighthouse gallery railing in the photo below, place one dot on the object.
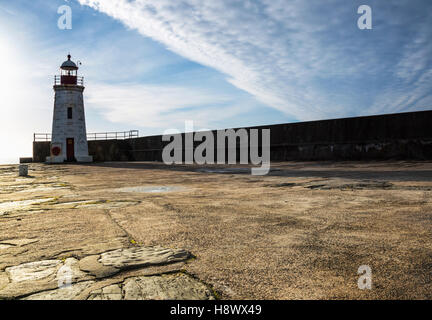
(74, 80)
(94, 136)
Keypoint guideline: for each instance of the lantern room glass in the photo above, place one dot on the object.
(72, 73)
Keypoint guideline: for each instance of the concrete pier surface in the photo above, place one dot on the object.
(144, 230)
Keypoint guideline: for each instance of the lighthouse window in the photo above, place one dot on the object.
(69, 113)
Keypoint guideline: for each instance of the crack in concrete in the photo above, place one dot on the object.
(127, 234)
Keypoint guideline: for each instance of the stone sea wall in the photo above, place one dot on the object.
(391, 136)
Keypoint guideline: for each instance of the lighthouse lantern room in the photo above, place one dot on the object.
(69, 136)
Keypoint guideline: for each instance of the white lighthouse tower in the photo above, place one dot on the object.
(69, 137)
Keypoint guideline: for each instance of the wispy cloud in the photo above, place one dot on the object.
(305, 58)
(411, 88)
(152, 106)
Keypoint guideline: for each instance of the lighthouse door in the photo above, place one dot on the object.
(70, 152)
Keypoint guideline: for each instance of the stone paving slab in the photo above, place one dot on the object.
(133, 257)
(165, 287)
(65, 293)
(93, 266)
(7, 206)
(177, 286)
(48, 275)
(33, 270)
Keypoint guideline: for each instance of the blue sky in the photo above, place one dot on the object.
(151, 65)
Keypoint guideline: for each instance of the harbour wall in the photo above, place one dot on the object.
(381, 137)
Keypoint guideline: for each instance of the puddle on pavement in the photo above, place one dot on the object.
(151, 189)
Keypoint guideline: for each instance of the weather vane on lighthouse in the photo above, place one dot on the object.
(69, 136)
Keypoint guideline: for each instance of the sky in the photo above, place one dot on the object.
(152, 65)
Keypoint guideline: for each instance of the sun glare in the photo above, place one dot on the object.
(8, 63)
(13, 100)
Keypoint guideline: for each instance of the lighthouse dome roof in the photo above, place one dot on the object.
(69, 64)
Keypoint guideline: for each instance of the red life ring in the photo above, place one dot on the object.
(55, 151)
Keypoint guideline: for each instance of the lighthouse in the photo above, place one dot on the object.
(69, 136)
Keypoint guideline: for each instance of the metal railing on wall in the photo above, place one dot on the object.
(122, 135)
